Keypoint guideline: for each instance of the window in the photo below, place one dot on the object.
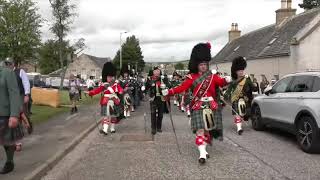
(282, 85)
(301, 84)
(316, 84)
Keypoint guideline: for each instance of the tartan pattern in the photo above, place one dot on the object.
(197, 119)
(235, 107)
(116, 113)
(9, 136)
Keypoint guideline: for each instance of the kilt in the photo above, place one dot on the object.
(235, 107)
(9, 136)
(197, 119)
(74, 96)
(114, 114)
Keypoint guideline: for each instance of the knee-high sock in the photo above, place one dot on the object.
(238, 122)
(202, 145)
(105, 124)
(9, 152)
(112, 127)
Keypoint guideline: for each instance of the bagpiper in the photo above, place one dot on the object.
(127, 86)
(110, 102)
(239, 93)
(176, 82)
(206, 114)
(154, 86)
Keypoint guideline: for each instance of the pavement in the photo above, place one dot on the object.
(270, 154)
(49, 138)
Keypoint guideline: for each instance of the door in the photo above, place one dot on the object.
(293, 100)
(270, 106)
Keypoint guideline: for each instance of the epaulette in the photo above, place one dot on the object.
(189, 76)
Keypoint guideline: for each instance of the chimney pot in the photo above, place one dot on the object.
(285, 12)
(234, 33)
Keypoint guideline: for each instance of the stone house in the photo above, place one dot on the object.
(86, 65)
(290, 45)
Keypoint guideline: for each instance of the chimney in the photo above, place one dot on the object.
(234, 33)
(285, 12)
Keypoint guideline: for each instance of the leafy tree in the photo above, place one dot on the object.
(19, 30)
(63, 13)
(310, 4)
(179, 66)
(131, 54)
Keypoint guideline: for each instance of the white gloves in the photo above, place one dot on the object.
(143, 88)
(165, 92)
(228, 79)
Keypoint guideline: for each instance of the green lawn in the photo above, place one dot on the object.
(44, 113)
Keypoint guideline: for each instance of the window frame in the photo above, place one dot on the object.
(295, 77)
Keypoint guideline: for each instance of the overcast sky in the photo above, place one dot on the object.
(167, 29)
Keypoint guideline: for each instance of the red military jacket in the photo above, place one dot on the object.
(216, 81)
(114, 89)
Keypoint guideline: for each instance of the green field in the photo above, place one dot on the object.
(44, 113)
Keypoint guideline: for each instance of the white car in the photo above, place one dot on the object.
(293, 105)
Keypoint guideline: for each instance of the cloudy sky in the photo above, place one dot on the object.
(167, 29)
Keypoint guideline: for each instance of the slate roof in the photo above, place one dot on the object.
(266, 42)
(98, 60)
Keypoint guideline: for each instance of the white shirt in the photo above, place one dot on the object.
(90, 83)
(25, 81)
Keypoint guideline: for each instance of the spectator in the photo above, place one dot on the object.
(79, 82)
(256, 89)
(74, 87)
(264, 83)
(10, 105)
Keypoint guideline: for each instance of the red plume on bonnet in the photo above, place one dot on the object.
(209, 45)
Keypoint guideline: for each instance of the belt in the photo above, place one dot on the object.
(207, 99)
(109, 95)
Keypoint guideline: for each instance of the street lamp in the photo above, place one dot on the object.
(121, 48)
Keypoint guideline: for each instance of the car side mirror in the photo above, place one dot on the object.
(269, 91)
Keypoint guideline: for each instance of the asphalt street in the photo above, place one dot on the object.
(270, 154)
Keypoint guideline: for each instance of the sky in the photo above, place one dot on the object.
(167, 29)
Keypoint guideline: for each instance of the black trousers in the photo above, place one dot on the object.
(157, 109)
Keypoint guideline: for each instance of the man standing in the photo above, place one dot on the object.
(154, 86)
(10, 105)
(206, 113)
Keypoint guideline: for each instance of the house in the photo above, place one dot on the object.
(290, 45)
(86, 65)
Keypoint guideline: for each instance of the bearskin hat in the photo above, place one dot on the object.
(125, 69)
(108, 70)
(238, 63)
(200, 53)
(150, 73)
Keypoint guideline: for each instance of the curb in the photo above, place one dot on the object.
(42, 170)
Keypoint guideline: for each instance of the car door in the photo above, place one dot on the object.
(269, 107)
(291, 101)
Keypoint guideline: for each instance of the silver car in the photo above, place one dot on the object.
(293, 105)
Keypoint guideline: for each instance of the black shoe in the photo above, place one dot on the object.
(240, 132)
(202, 161)
(112, 132)
(159, 130)
(153, 132)
(8, 167)
(208, 156)
(72, 111)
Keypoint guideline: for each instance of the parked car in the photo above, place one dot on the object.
(293, 105)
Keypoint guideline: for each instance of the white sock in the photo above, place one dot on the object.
(128, 113)
(203, 151)
(112, 128)
(105, 128)
(125, 113)
(239, 127)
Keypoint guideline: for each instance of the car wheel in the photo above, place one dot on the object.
(308, 135)
(256, 118)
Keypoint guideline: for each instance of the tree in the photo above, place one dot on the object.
(310, 4)
(179, 66)
(63, 13)
(19, 30)
(131, 54)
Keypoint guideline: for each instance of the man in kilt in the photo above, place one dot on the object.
(206, 113)
(110, 102)
(154, 86)
(10, 108)
(239, 93)
(127, 86)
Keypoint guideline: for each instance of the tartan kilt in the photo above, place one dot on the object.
(9, 136)
(235, 107)
(114, 114)
(197, 119)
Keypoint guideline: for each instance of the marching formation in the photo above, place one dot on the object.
(202, 94)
